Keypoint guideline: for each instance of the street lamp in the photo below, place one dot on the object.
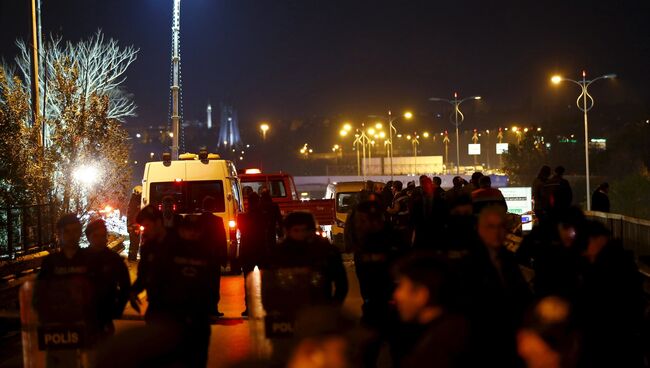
(264, 127)
(585, 105)
(391, 128)
(457, 115)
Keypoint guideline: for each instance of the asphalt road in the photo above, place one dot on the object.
(231, 338)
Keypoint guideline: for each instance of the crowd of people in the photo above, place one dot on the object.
(438, 284)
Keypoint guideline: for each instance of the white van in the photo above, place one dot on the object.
(346, 197)
(189, 180)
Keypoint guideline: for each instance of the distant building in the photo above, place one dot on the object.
(229, 128)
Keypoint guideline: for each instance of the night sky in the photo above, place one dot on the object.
(346, 59)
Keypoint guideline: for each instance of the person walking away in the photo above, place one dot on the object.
(487, 196)
(538, 190)
(557, 195)
(272, 211)
(399, 213)
(378, 248)
(610, 302)
(133, 227)
(430, 331)
(600, 198)
(214, 237)
(111, 278)
(455, 192)
(255, 245)
(64, 294)
(428, 215)
(473, 183)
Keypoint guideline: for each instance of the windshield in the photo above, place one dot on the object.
(276, 187)
(345, 202)
(190, 196)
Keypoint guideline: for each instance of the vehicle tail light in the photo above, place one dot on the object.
(174, 208)
(232, 224)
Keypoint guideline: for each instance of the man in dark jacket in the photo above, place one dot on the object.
(256, 244)
(214, 237)
(132, 226)
(610, 302)
(499, 288)
(304, 271)
(65, 294)
(110, 277)
(557, 194)
(600, 198)
(302, 247)
(431, 334)
(272, 211)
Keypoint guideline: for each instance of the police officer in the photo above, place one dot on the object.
(302, 272)
(110, 278)
(156, 240)
(133, 227)
(214, 237)
(63, 294)
(179, 274)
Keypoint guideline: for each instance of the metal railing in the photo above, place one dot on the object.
(26, 229)
(634, 233)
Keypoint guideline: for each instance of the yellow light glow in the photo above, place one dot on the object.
(514, 128)
(525, 130)
(408, 137)
(382, 135)
(371, 131)
(556, 79)
(539, 129)
(347, 127)
(408, 115)
(425, 134)
(343, 133)
(379, 126)
(264, 127)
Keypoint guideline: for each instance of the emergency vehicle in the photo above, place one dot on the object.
(188, 181)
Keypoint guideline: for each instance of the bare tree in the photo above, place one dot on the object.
(102, 66)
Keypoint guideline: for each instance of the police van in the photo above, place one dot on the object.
(188, 181)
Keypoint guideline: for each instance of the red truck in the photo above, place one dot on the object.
(283, 192)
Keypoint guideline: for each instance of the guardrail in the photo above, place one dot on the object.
(634, 233)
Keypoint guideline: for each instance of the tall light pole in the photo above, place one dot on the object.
(391, 128)
(585, 103)
(175, 88)
(457, 115)
(361, 139)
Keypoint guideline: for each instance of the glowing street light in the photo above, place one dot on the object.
(458, 119)
(86, 175)
(408, 115)
(264, 127)
(585, 103)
